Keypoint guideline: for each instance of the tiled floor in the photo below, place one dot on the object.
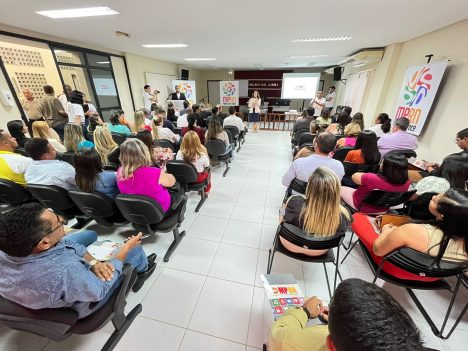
(209, 296)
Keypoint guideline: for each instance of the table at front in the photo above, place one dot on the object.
(273, 121)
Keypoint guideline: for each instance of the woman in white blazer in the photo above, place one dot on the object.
(254, 110)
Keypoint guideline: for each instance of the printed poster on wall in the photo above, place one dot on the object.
(188, 88)
(417, 94)
(229, 93)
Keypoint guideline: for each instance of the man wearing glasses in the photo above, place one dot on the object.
(44, 268)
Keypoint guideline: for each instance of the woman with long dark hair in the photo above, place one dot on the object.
(17, 130)
(90, 175)
(192, 126)
(215, 131)
(340, 125)
(365, 150)
(382, 125)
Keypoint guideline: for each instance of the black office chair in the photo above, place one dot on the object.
(351, 168)
(235, 134)
(405, 152)
(98, 206)
(118, 138)
(186, 175)
(298, 186)
(147, 216)
(340, 153)
(218, 152)
(297, 134)
(21, 151)
(419, 208)
(305, 138)
(231, 138)
(60, 323)
(12, 194)
(57, 199)
(69, 157)
(423, 265)
(165, 144)
(379, 198)
(111, 167)
(177, 131)
(298, 237)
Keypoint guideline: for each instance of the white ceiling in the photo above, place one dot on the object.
(242, 33)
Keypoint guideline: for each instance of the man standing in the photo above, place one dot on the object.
(52, 110)
(330, 99)
(12, 165)
(149, 98)
(45, 169)
(400, 139)
(318, 104)
(177, 95)
(63, 98)
(31, 108)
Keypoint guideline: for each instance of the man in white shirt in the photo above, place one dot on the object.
(318, 104)
(149, 98)
(182, 119)
(330, 98)
(63, 97)
(233, 120)
(45, 169)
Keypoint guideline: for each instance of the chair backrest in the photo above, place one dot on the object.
(69, 157)
(424, 265)
(21, 151)
(299, 132)
(164, 144)
(351, 168)
(177, 131)
(139, 210)
(340, 153)
(51, 196)
(111, 167)
(383, 198)
(96, 205)
(215, 148)
(230, 136)
(234, 131)
(118, 138)
(405, 152)
(184, 172)
(297, 236)
(13, 194)
(298, 185)
(339, 136)
(305, 138)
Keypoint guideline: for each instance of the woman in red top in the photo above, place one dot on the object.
(192, 126)
(393, 177)
(366, 150)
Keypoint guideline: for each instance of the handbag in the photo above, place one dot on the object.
(388, 218)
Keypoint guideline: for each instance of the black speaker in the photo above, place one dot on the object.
(337, 73)
(184, 74)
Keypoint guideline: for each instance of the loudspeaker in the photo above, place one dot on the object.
(184, 74)
(337, 73)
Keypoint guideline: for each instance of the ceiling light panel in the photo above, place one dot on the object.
(165, 45)
(305, 56)
(200, 59)
(310, 40)
(83, 12)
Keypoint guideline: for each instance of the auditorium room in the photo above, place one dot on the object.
(245, 176)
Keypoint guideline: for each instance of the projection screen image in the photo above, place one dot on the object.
(300, 85)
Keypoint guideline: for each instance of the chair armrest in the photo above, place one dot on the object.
(178, 201)
(129, 275)
(175, 188)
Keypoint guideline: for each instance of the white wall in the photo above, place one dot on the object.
(7, 113)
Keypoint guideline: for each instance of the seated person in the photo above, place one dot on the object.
(182, 120)
(12, 165)
(171, 114)
(359, 119)
(44, 268)
(122, 120)
(215, 131)
(184, 110)
(192, 126)
(303, 167)
(221, 114)
(393, 177)
(302, 125)
(161, 133)
(73, 135)
(115, 126)
(365, 150)
(233, 120)
(105, 146)
(324, 117)
(159, 155)
(192, 151)
(382, 126)
(42, 130)
(17, 130)
(91, 177)
(319, 213)
(136, 176)
(166, 123)
(351, 132)
(355, 306)
(45, 169)
(214, 115)
(139, 122)
(400, 139)
(305, 151)
(445, 238)
(339, 126)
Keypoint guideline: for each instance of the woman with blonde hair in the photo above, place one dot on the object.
(192, 151)
(104, 144)
(351, 133)
(73, 135)
(42, 130)
(159, 132)
(216, 131)
(319, 213)
(139, 122)
(136, 176)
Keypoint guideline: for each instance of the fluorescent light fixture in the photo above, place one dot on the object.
(306, 56)
(309, 40)
(59, 51)
(103, 62)
(165, 45)
(359, 64)
(83, 12)
(200, 59)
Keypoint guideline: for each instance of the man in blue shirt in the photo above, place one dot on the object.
(44, 268)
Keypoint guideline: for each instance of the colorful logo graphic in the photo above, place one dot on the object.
(417, 87)
(187, 89)
(229, 89)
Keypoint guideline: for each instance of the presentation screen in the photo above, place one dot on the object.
(300, 85)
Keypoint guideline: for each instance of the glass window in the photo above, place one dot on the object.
(69, 56)
(98, 60)
(105, 87)
(77, 78)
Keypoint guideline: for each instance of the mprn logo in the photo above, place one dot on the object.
(417, 87)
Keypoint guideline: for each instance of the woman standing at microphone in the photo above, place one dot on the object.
(254, 110)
